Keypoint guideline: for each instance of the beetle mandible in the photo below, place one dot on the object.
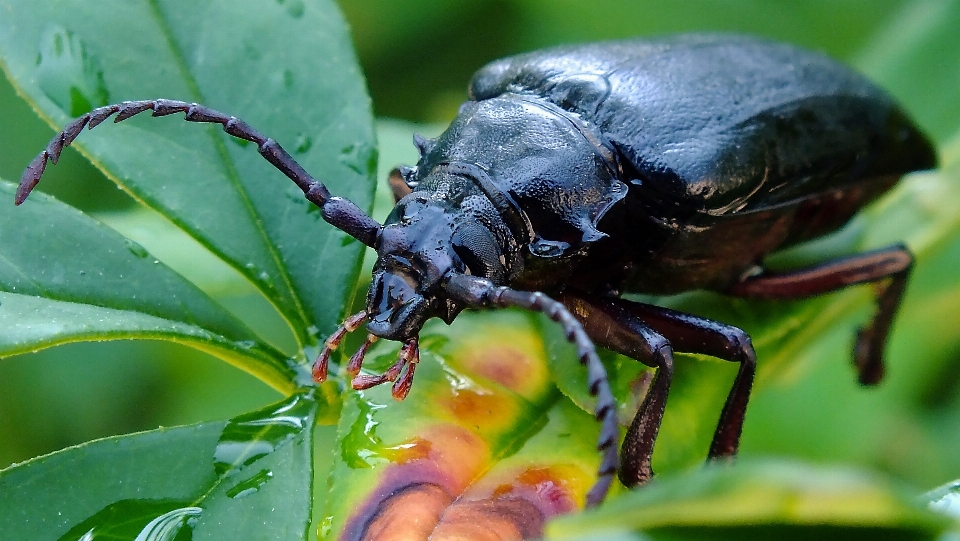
(578, 173)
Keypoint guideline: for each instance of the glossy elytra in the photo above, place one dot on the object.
(578, 173)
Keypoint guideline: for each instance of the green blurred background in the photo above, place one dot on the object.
(418, 56)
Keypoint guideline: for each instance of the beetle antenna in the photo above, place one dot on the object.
(337, 211)
(481, 293)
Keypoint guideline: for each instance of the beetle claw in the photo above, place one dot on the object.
(400, 372)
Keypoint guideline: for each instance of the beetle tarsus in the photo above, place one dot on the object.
(321, 365)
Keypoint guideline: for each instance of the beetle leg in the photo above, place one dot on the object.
(337, 211)
(888, 267)
(479, 292)
(614, 328)
(693, 334)
(333, 342)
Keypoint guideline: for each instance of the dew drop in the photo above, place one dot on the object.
(246, 344)
(265, 278)
(67, 74)
(362, 448)
(295, 8)
(251, 485)
(252, 436)
(142, 520)
(303, 143)
(136, 249)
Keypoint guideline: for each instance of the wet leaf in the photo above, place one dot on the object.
(762, 500)
(108, 288)
(217, 480)
(66, 57)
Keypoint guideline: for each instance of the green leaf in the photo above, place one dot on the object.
(762, 500)
(54, 251)
(261, 62)
(32, 323)
(218, 479)
(108, 288)
(914, 56)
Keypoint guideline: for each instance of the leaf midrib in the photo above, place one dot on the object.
(233, 177)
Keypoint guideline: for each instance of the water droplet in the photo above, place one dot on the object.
(136, 249)
(303, 143)
(142, 520)
(294, 7)
(252, 436)
(251, 485)
(246, 344)
(361, 158)
(67, 74)
(361, 447)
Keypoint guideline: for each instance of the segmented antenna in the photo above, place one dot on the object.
(337, 211)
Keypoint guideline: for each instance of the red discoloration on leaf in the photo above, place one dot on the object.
(411, 512)
(444, 458)
(480, 409)
(553, 490)
(503, 364)
(406, 452)
(490, 520)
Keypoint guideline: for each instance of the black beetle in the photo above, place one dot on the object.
(582, 172)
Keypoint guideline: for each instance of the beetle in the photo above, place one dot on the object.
(578, 173)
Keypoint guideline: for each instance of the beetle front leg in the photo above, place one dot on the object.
(890, 267)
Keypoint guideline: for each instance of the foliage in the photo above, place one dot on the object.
(487, 418)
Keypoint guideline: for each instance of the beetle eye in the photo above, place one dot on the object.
(476, 247)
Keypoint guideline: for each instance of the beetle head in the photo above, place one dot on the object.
(415, 252)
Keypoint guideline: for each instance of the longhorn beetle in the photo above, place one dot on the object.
(577, 173)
